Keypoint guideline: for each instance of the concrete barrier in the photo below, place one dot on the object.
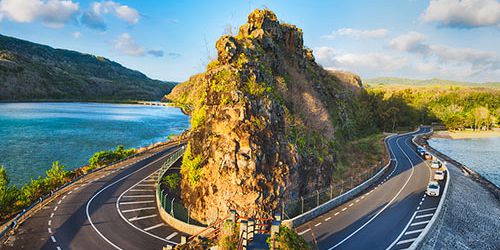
(329, 205)
(175, 223)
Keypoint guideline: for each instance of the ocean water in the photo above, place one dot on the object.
(33, 135)
(480, 154)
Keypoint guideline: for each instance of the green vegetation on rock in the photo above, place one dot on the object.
(103, 158)
(288, 239)
(30, 71)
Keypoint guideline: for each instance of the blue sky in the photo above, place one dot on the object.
(171, 40)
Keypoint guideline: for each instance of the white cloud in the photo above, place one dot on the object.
(126, 44)
(123, 12)
(358, 34)
(463, 13)
(76, 35)
(410, 42)
(330, 58)
(53, 13)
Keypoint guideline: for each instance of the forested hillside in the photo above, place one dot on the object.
(455, 107)
(30, 71)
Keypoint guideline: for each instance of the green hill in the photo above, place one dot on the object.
(30, 71)
(429, 82)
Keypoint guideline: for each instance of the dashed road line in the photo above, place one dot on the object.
(153, 227)
(59, 202)
(305, 231)
(172, 235)
(51, 215)
(327, 219)
(351, 204)
(53, 238)
(343, 209)
(50, 222)
(337, 213)
(58, 248)
(317, 224)
(55, 209)
(142, 218)
(50, 230)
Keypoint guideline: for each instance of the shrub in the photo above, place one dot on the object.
(288, 239)
(191, 166)
(172, 181)
(103, 158)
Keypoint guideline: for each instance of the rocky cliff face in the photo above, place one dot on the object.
(266, 120)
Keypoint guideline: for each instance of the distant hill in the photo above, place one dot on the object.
(429, 82)
(31, 71)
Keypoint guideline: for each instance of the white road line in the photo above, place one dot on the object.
(145, 185)
(55, 209)
(419, 223)
(135, 202)
(317, 224)
(140, 196)
(385, 207)
(406, 241)
(87, 207)
(50, 222)
(58, 248)
(337, 213)
(59, 202)
(423, 199)
(424, 215)
(427, 209)
(343, 209)
(420, 204)
(305, 231)
(53, 239)
(64, 197)
(51, 215)
(139, 190)
(138, 209)
(414, 231)
(351, 204)
(327, 219)
(356, 200)
(142, 218)
(50, 230)
(70, 192)
(172, 235)
(153, 227)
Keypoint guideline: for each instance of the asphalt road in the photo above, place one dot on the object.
(116, 210)
(389, 215)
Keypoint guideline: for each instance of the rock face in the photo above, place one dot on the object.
(30, 71)
(266, 120)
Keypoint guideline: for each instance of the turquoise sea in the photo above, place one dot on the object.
(481, 155)
(33, 135)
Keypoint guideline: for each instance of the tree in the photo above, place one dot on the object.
(7, 192)
(56, 175)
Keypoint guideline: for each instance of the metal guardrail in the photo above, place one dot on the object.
(19, 217)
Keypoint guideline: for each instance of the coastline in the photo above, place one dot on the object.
(466, 134)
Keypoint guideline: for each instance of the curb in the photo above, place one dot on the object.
(418, 242)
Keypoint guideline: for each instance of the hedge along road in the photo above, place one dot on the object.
(389, 215)
(86, 217)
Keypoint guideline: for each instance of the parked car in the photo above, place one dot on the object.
(439, 175)
(432, 189)
(436, 164)
(428, 156)
(421, 151)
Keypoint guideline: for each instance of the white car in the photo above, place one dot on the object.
(435, 164)
(432, 189)
(439, 175)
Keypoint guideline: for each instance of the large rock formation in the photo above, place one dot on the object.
(266, 120)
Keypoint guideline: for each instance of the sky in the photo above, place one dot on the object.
(172, 40)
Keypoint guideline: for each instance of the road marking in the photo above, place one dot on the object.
(385, 207)
(427, 209)
(145, 185)
(153, 227)
(305, 231)
(59, 202)
(424, 215)
(55, 209)
(53, 238)
(51, 215)
(317, 224)
(50, 230)
(343, 209)
(87, 207)
(135, 202)
(406, 241)
(138, 209)
(351, 204)
(327, 219)
(420, 203)
(50, 222)
(142, 218)
(420, 223)
(418, 208)
(172, 235)
(64, 197)
(139, 190)
(70, 192)
(140, 196)
(337, 213)
(423, 199)
(58, 248)
(356, 200)
(414, 231)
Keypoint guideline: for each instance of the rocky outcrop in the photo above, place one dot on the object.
(266, 120)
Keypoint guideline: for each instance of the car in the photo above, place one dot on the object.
(439, 175)
(432, 189)
(436, 164)
(421, 151)
(427, 156)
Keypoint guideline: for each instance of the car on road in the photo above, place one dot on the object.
(432, 189)
(427, 156)
(421, 151)
(439, 175)
(436, 164)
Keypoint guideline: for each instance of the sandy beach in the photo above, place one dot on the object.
(466, 134)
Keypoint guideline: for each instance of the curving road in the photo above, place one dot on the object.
(389, 215)
(115, 210)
